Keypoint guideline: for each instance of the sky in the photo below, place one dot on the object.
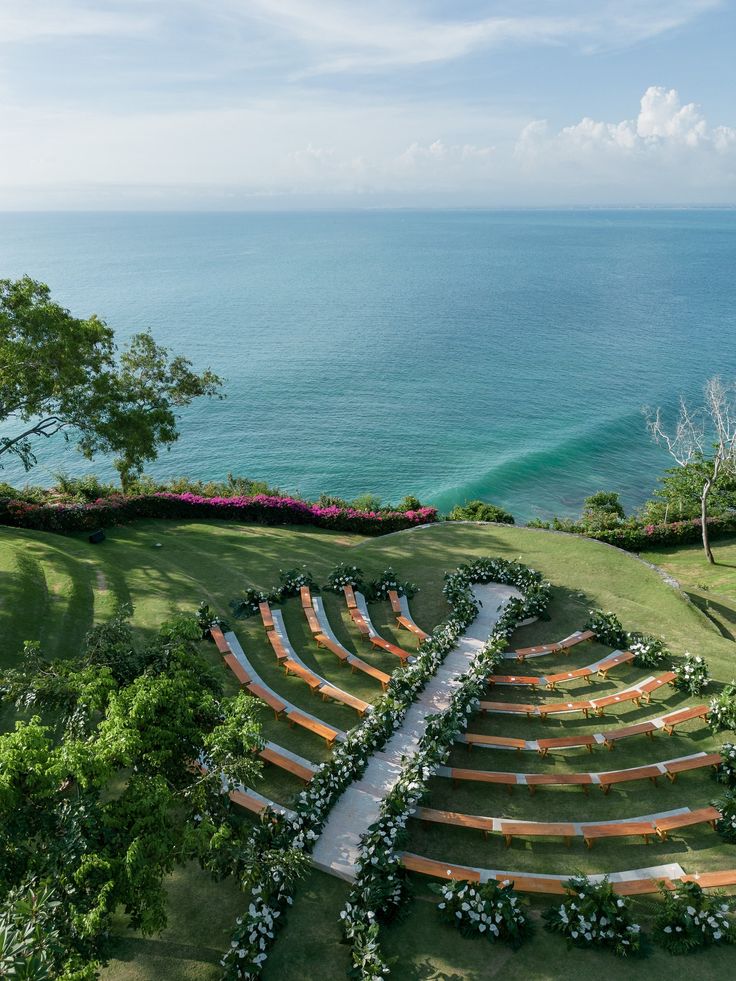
(281, 104)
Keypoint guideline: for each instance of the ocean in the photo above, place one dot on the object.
(504, 355)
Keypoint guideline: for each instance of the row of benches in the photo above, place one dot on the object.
(631, 885)
(252, 683)
(636, 693)
(608, 739)
(590, 832)
(551, 681)
(605, 780)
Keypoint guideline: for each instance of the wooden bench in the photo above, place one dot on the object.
(390, 648)
(606, 701)
(623, 657)
(411, 626)
(512, 679)
(607, 780)
(266, 616)
(440, 870)
(350, 597)
(713, 880)
(238, 670)
(338, 695)
(683, 715)
(533, 883)
(577, 638)
(534, 780)
(536, 829)
(305, 594)
(505, 742)
(394, 600)
(285, 762)
(553, 680)
(559, 707)
(291, 667)
(694, 763)
(640, 728)
(514, 708)
(483, 776)
(314, 624)
(358, 664)
(474, 821)
(327, 733)
(360, 622)
(649, 687)
(562, 742)
(559, 647)
(267, 696)
(329, 644)
(703, 815)
(278, 645)
(247, 801)
(219, 638)
(618, 829)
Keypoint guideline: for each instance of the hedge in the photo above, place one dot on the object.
(641, 537)
(259, 508)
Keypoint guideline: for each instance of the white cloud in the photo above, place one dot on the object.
(35, 20)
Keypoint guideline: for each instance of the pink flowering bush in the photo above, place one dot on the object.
(259, 508)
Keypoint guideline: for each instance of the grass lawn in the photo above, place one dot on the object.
(54, 588)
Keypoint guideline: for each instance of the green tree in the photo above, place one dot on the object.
(602, 510)
(116, 781)
(63, 374)
(677, 497)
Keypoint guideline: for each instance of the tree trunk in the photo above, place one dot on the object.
(704, 521)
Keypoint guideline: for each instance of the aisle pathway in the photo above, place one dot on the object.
(339, 844)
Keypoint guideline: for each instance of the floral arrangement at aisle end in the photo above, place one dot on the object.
(292, 580)
(206, 618)
(692, 676)
(689, 919)
(380, 890)
(722, 709)
(379, 588)
(594, 916)
(246, 605)
(726, 824)
(648, 651)
(344, 575)
(726, 772)
(285, 839)
(492, 910)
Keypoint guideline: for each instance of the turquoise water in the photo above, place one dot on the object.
(503, 355)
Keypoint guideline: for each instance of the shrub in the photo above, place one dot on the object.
(726, 825)
(480, 511)
(206, 618)
(722, 713)
(246, 605)
(689, 919)
(594, 916)
(602, 510)
(344, 575)
(292, 580)
(649, 652)
(491, 910)
(726, 772)
(607, 628)
(692, 676)
(379, 588)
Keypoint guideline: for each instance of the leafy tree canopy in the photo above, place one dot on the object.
(60, 373)
(114, 781)
(480, 511)
(678, 496)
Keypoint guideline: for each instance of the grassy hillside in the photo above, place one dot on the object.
(53, 588)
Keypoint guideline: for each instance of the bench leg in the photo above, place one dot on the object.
(507, 840)
(588, 842)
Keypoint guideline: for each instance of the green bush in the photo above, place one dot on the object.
(602, 510)
(491, 910)
(594, 916)
(480, 511)
(689, 919)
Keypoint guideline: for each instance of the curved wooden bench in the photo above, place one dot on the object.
(563, 742)
(394, 600)
(483, 776)
(309, 677)
(237, 669)
(607, 780)
(338, 695)
(650, 687)
(314, 624)
(673, 719)
(305, 595)
(512, 679)
(503, 742)
(219, 638)
(406, 620)
(277, 644)
(440, 870)
(269, 697)
(508, 708)
(534, 780)
(673, 767)
(350, 597)
(560, 647)
(329, 644)
(618, 829)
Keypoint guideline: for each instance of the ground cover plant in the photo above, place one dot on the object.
(54, 589)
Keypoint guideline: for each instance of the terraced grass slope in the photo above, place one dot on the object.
(54, 588)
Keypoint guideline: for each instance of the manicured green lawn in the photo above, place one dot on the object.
(54, 588)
